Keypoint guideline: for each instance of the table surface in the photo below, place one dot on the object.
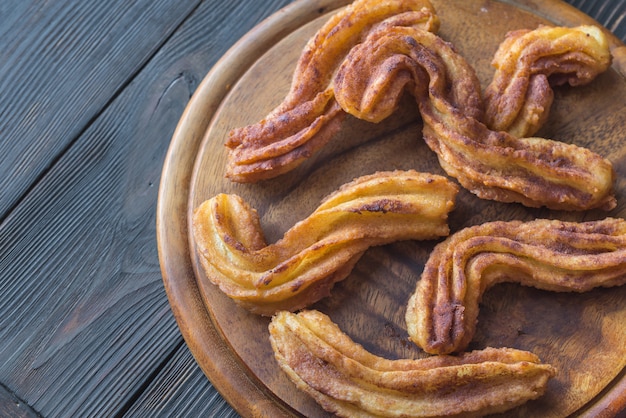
(91, 94)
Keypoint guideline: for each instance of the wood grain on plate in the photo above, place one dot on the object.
(583, 335)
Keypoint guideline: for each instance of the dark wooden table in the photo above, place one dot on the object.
(91, 94)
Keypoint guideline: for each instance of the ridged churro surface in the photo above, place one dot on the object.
(492, 164)
(347, 380)
(320, 250)
(364, 58)
(547, 254)
(309, 116)
(529, 63)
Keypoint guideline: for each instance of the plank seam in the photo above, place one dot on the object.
(19, 401)
(116, 94)
(148, 381)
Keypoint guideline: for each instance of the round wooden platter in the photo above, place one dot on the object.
(583, 335)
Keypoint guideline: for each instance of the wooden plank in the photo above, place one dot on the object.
(61, 62)
(11, 406)
(84, 322)
(611, 14)
(181, 389)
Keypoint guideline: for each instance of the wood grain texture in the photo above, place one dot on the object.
(61, 62)
(610, 14)
(368, 305)
(84, 323)
(180, 389)
(11, 406)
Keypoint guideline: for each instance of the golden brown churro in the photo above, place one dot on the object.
(360, 63)
(380, 49)
(309, 116)
(529, 62)
(347, 380)
(320, 250)
(546, 254)
(493, 165)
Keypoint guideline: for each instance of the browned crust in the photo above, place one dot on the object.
(368, 54)
(347, 380)
(546, 254)
(320, 250)
(529, 62)
(494, 165)
(309, 116)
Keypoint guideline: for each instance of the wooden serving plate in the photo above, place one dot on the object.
(582, 335)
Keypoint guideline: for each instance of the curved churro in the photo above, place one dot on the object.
(347, 380)
(493, 165)
(309, 116)
(529, 62)
(315, 253)
(387, 47)
(546, 254)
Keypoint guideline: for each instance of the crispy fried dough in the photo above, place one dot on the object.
(546, 254)
(382, 49)
(309, 116)
(320, 250)
(347, 380)
(529, 62)
(493, 165)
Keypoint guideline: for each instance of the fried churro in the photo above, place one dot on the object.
(366, 55)
(529, 63)
(494, 165)
(347, 380)
(547, 254)
(322, 249)
(309, 116)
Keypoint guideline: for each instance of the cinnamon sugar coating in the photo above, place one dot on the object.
(547, 254)
(349, 381)
(309, 116)
(494, 165)
(322, 249)
(529, 63)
